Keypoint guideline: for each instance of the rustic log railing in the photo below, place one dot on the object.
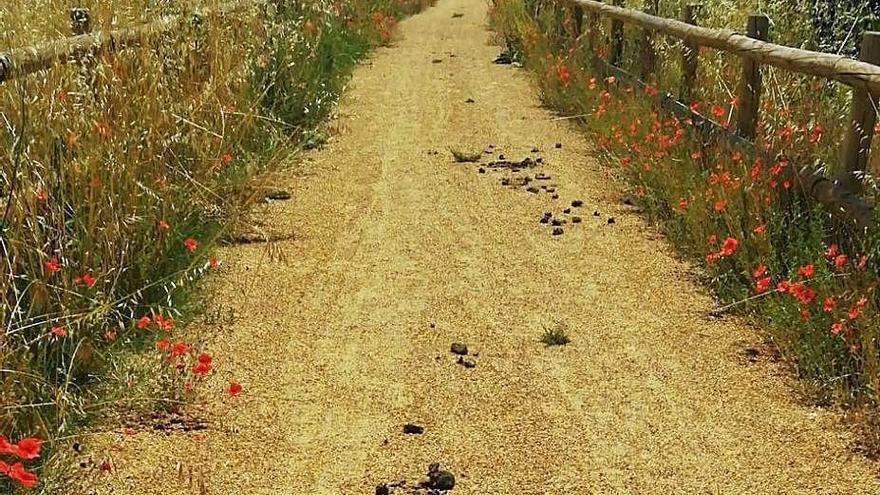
(20, 62)
(840, 193)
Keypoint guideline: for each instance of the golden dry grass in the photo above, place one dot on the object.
(399, 252)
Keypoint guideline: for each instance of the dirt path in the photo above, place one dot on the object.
(336, 350)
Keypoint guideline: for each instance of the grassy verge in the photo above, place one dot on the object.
(120, 172)
(808, 279)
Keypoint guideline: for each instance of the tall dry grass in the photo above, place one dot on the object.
(120, 171)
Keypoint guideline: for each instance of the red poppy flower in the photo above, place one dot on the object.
(201, 368)
(837, 328)
(720, 205)
(729, 246)
(760, 229)
(163, 345)
(854, 312)
(760, 271)
(694, 106)
(762, 285)
(163, 225)
(58, 331)
(18, 473)
(829, 304)
(86, 279)
(831, 252)
(806, 271)
(213, 263)
(234, 389)
(802, 293)
(178, 349)
(143, 322)
(682, 204)
(42, 195)
(191, 244)
(29, 448)
(226, 158)
(712, 239)
(840, 260)
(205, 358)
(52, 265)
(718, 111)
(783, 286)
(6, 447)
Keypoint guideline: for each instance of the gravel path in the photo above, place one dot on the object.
(399, 252)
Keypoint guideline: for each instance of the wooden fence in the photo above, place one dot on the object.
(841, 193)
(21, 62)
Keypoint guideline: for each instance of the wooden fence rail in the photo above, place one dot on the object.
(841, 193)
(20, 62)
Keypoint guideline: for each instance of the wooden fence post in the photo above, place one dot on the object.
(862, 118)
(80, 21)
(648, 55)
(616, 52)
(689, 56)
(749, 93)
(578, 13)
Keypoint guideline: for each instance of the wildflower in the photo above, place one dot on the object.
(729, 246)
(720, 205)
(164, 323)
(28, 448)
(18, 473)
(682, 204)
(712, 239)
(58, 331)
(863, 261)
(143, 322)
(178, 349)
(52, 265)
(837, 327)
(564, 75)
(736, 156)
(611, 79)
(718, 111)
(854, 312)
(163, 226)
(226, 158)
(42, 195)
(816, 133)
(234, 389)
(205, 358)
(806, 271)
(85, 279)
(840, 260)
(783, 286)
(762, 285)
(163, 345)
(213, 263)
(191, 244)
(831, 252)
(110, 335)
(760, 229)
(760, 271)
(829, 304)
(201, 368)
(694, 106)
(650, 90)
(188, 386)
(802, 293)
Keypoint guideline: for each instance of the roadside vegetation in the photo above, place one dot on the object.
(119, 173)
(808, 278)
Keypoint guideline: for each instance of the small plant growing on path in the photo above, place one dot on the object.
(556, 335)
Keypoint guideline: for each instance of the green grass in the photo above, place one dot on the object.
(555, 336)
(114, 166)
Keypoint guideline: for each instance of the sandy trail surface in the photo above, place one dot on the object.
(397, 252)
